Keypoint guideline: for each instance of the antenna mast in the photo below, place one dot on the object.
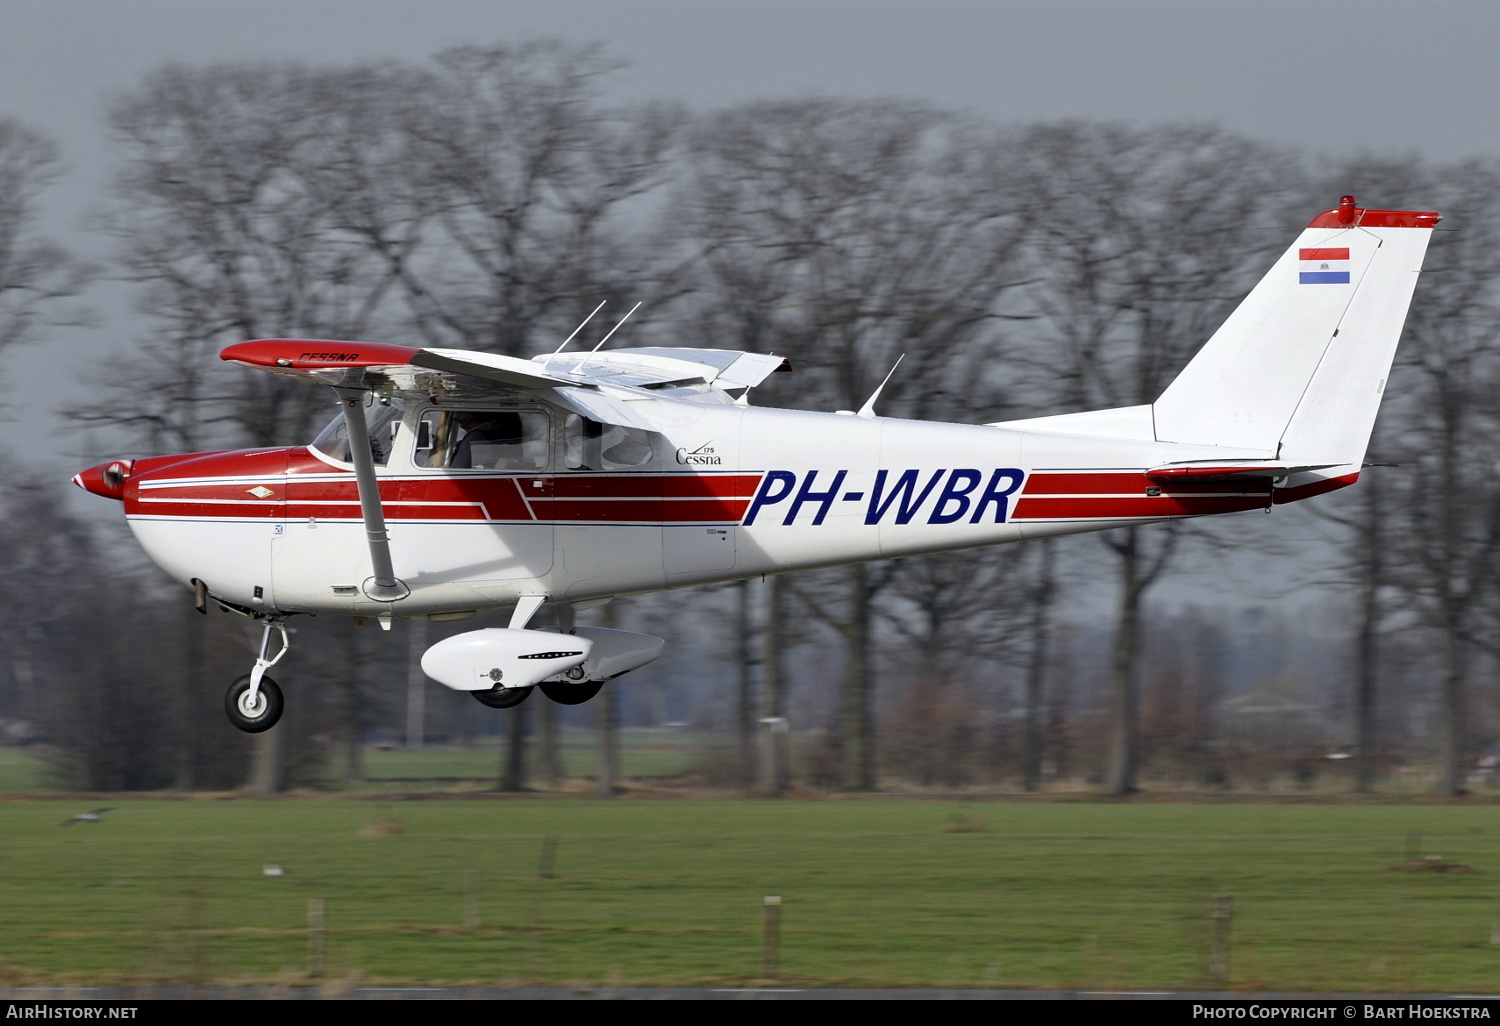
(577, 330)
(616, 328)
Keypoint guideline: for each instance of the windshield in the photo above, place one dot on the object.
(382, 416)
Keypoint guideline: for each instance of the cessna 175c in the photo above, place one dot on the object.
(458, 481)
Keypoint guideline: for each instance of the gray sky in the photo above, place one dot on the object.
(1327, 75)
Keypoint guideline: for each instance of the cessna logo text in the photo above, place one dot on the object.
(920, 496)
(329, 357)
(703, 456)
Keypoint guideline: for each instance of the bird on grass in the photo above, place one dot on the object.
(93, 816)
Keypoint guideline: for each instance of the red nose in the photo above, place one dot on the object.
(107, 479)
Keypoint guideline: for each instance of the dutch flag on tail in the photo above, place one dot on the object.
(1324, 266)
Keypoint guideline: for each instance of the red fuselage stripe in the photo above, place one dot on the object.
(668, 499)
(1131, 507)
(1133, 483)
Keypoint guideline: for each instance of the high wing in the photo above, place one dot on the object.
(600, 386)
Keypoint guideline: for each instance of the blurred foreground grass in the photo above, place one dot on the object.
(893, 892)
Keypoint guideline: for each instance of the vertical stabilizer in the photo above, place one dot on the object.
(1298, 369)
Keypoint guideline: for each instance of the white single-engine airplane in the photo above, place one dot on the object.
(458, 481)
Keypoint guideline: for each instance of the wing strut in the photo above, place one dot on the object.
(383, 587)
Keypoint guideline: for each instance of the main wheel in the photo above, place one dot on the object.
(256, 717)
(501, 698)
(572, 694)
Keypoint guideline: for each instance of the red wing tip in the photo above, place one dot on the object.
(316, 354)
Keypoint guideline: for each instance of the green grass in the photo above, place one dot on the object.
(23, 771)
(643, 753)
(670, 892)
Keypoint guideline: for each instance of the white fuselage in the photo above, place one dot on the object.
(728, 492)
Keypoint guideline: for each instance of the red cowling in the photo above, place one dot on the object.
(107, 479)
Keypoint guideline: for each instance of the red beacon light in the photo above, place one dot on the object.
(1347, 210)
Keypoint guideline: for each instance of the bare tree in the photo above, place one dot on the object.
(464, 201)
(219, 226)
(844, 234)
(534, 193)
(1143, 241)
(1446, 492)
(34, 272)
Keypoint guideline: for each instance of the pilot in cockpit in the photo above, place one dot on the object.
(486, 431)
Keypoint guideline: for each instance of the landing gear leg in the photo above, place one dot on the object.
(253, 702)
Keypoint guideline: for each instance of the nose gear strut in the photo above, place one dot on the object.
(254, 702)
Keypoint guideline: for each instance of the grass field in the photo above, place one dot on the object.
(23, 771)
(1072, 895)
(643, 753)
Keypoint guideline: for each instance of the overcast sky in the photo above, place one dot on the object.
(1328, 75)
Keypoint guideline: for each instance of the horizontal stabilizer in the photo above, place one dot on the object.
(1226, 470)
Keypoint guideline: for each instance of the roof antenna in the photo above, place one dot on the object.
(868, 409)
(576, 331)
(616, 328)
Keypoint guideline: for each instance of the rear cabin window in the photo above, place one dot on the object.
(589, 445)
(518, 440)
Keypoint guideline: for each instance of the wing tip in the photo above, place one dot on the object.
(316, 354)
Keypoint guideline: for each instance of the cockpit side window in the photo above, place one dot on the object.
(484, 440)
(382, 417)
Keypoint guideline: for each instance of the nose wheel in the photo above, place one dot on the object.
(253, 712)
(253, 702)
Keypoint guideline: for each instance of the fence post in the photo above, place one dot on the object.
(317, 927)
(1218, 960)
(471, 899)
(770, 947)
(1495, 922)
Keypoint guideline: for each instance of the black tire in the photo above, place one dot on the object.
(501, 698)
(572, 694)
(269, 705)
